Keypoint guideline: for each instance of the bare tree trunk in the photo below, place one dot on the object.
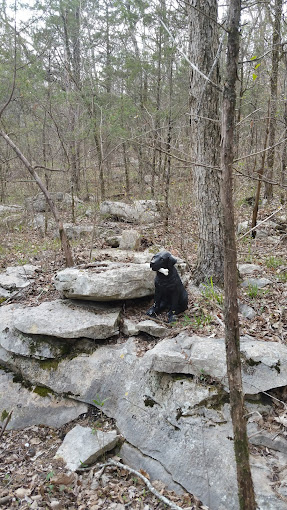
(284, 152)
(260, 175)
(205, 135)
(232, 339)
(63, 236)
(168, 147)
(268, 193)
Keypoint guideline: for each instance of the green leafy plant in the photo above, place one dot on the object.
(99, 402)
(282, 277)
(252, 290)
(211, 293)
(274, 262)
(198, 321)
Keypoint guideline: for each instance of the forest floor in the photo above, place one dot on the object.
(29, 475)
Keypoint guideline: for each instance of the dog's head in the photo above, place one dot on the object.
(162, 260)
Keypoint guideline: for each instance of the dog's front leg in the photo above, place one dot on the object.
(155, 309)
(172, 310)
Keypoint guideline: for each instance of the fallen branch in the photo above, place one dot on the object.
(165, 500)
(112, 462)
(260, 223)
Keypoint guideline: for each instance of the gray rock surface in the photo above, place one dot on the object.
(130, 240)
(152, 328)
(260, 283)
(246, 311)
(4, 209)
(249, 269)
(140, 211)
(174, 420)
(38, 202)
(15, 278)
(68, 319)
(31, 408)
(82, 445)
(106, 282)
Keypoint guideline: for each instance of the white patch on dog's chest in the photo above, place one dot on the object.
(163, 271)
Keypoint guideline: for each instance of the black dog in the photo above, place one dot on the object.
(170, 293)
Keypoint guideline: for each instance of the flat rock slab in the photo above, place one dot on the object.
(82, 445)
(120, 255)
(33, 408)
(68, 320)
(152, 328)
(4, 209)
(264, 364)
(106, 282)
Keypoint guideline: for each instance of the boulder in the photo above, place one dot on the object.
(78, 231)
(246, 311)
(38, 202)
(139, 211)
(83, 446)
(106, 281)
(130, 240)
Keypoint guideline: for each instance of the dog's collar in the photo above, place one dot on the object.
(163, 271)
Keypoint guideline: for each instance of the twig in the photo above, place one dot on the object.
(259, 152)
(260, 223)
(194, 67)
(4, 426)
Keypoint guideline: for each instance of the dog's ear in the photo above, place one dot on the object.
(171, 261)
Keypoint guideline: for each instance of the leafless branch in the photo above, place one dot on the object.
(194, 67)
(260, 223)
(260, 152)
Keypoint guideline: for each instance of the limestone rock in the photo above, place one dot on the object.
(169, 418)
(106, 282)
(69, 320)
(260, 283)
(246, 311)
(130, 328)
(140, 211)
(38, 202)
(249, 269)
(82, 445)
(35, 407)
(15, 278)
(130, 240)
(152, 328)
(4, 209)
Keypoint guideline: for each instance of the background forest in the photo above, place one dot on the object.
(100, 98)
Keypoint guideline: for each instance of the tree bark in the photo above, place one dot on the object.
(232, 339)
(205, 134)
(260, 175)
(63, 236)
(268, 193)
